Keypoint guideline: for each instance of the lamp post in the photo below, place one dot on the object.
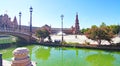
(31, 10)
(0, 59)
(62, 25)
(20, 21)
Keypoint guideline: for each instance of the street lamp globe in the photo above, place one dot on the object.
(31, 9)
(20, 13)
(19, 21)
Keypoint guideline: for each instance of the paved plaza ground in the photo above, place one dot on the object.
(81, 39)
(8, 63)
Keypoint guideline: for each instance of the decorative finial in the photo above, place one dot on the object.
(6, 11)
(76, 13)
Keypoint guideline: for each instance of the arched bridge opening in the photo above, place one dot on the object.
(25, 37)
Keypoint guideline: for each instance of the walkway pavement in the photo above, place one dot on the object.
(81, 39)
(6, 63)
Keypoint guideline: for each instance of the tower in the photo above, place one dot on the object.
(15, 23)
(77, 28)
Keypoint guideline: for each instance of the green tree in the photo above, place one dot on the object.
(84, 30)
(103, 24)
(99, 33)
(42, 34)
(115, 28)
(108, 33)
(94, 33)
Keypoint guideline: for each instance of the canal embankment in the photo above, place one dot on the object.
(91, 46)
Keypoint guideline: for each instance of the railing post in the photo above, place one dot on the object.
(0, 59)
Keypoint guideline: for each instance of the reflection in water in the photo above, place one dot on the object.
(7, 53)
(42, 53)
(51, 56)
(77, 52)
(47, 56)
(101, 59)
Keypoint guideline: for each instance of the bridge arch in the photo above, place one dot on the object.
(22, 35)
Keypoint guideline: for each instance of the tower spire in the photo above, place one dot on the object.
(77, 15)
(77, 28)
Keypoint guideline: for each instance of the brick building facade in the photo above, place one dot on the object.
(7, 23)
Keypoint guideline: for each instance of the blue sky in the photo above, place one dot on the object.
(91, 12)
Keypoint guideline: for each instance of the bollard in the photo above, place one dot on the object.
(0, 59)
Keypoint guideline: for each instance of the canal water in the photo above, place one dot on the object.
(60, 56)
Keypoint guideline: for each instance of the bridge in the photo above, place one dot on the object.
(20, 34)
(12, 28)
